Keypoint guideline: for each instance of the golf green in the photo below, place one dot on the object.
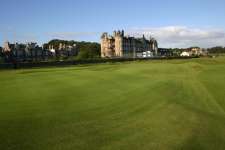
(146, 105)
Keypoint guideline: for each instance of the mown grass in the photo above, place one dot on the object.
(161, 105)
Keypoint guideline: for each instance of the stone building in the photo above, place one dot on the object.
(22, 52)
(7, 47)
(63, 49)
(120, 45)
(196, 51)
(14, 50)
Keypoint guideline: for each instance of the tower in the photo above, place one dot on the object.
(154, 45)
(60, 46)
(107, 45)
(103, 44)
(119, 35)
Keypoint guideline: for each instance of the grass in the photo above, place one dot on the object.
(160, 105)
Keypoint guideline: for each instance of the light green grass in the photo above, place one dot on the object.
(152, 105)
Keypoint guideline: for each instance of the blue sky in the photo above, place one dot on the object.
(175, 23)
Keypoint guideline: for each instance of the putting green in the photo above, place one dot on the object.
(160, 105)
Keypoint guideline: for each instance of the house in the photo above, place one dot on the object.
(185, 54)
(196, 51)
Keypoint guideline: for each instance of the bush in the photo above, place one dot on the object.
(88, 50)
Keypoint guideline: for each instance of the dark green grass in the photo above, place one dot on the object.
(160, 105)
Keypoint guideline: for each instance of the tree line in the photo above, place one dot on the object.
(86, 50)
(212, 50)
(216, 50)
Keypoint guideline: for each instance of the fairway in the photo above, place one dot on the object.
(146, 105)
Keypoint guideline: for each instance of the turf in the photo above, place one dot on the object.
(160, 105)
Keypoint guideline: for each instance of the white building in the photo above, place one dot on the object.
(185, 54)
(147, 54)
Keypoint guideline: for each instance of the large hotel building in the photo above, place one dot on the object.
(120, 45)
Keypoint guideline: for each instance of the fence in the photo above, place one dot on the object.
(23, 65)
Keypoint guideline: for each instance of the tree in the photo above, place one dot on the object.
(1, 55)
(88, 50)
(1, 52)
(218, 49)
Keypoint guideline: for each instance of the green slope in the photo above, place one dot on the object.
(162, 105)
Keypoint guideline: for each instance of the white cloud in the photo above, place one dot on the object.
(11, 34)
(182, 36)
(70, 35)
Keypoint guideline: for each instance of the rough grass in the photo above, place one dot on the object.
(160, 105)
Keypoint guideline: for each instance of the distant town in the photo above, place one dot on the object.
(112, 46)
